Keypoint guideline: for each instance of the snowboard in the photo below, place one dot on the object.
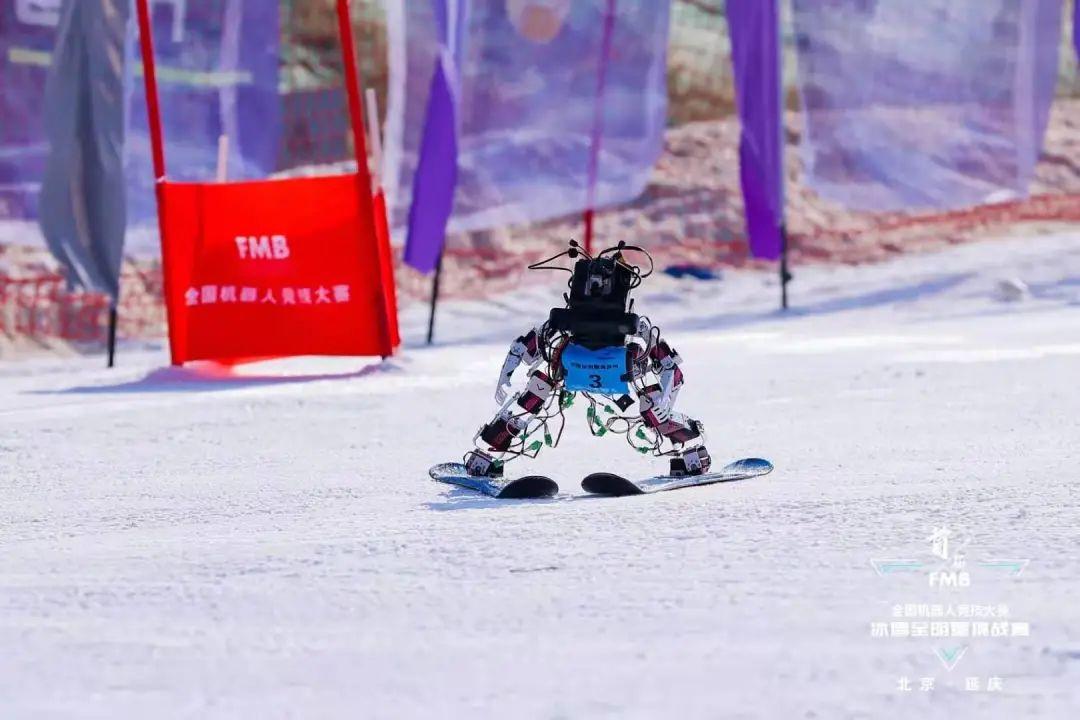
(616, 485)
(528, 487)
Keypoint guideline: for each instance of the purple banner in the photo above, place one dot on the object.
(437, 170)
(755, 53)
(436, 173)
(218, 74)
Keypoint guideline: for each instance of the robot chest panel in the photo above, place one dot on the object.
(602, 371)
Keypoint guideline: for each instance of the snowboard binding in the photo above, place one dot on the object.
(480, 464)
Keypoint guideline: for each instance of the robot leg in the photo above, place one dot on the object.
(685, 434)
(503, 437)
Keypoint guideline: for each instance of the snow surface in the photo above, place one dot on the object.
(265, 543)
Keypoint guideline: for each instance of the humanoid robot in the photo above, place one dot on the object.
(595, 347)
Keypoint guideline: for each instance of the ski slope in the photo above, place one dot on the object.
(197, 543)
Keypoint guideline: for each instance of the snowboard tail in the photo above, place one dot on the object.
(524, 488)
(616, 485)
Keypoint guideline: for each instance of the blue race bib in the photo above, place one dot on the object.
(595, 371)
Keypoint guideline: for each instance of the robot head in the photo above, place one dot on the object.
(598, 306)
(602, 283)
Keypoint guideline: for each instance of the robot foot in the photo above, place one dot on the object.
(479, 464)
(691, 462)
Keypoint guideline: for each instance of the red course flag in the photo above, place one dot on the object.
(274, 268)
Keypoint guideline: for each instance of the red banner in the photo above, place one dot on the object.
(275, 268)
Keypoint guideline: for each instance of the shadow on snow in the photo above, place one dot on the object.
(210, 377)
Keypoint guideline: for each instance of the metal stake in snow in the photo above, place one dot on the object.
(114, 319)
(598, 123)
(785, 274)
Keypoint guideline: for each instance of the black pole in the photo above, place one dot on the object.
(113, 317)
(434, 300)
(785, 275)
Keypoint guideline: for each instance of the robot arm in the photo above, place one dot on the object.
(525, 349)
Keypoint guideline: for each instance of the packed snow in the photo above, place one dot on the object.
(265, 542)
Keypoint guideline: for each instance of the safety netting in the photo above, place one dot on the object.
(248, 90)
(265, 75)
(218, 77)
(929, 104)
(528, 78)
(26, 39)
